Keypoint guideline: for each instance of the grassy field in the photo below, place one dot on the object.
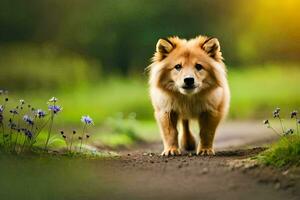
(256, 91)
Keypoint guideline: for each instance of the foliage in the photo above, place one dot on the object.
(121, 130)
(254, 91)
(285, 152)
(122, 34)
(21, 127)
(34, 67)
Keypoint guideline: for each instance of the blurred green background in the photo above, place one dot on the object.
(92, 54)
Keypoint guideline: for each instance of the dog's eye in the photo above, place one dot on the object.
(178, 67)
(198, 67)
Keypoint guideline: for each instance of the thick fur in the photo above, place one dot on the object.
(207, 101)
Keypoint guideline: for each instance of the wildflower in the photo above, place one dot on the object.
(22, 102)
(28, 133)
(53, 100)
(266, 122)
(276, 113)
(54, 108)
(40, 113)
(14, 112)
(289, 131)
(294, 114)
(28, 119)
(87, 120)
(1, 108)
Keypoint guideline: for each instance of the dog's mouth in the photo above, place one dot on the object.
(188, 87)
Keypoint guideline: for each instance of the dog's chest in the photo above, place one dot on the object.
(193, 107)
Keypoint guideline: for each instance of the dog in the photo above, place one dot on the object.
(188, 81)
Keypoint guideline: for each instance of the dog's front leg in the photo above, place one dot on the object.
(208, 125)
(167, 122)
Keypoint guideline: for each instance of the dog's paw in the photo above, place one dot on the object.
(171, 151)
(205, 151)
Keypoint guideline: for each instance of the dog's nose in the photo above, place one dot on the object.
(189, 81)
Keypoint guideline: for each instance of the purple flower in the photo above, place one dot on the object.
(54, 108)
(1, 108)
(87, 120)
(27, 133)
(40, 113)
(28, 119)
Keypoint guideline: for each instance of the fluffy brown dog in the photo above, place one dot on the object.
(188, 81)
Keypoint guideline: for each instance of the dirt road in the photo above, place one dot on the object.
(140, 173)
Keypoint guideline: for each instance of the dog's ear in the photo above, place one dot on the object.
(212, 47)
(163, 48)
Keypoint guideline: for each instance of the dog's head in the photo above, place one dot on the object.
(187, 66)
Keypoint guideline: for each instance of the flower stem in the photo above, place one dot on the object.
(71, 143)
(2, 126)
(274, 130)
(16, 141)
(297, 125)
(37, 133)
(84, 127)
(49, 131)
(281, 123)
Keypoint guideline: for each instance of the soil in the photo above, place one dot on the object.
(141, 173)
(227, 175)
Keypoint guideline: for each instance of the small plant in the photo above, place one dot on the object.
(87, 121)
(284, 131)
(286, 151)
(20, 126)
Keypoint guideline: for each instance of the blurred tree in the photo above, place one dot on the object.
(121, 34)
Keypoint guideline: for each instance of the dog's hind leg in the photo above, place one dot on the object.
(187, 141)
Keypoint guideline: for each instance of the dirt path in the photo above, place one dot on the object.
(150, 176)
(140, 173)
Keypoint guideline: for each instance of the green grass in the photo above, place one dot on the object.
(286, 152)
(255, 91)
(258, 90)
